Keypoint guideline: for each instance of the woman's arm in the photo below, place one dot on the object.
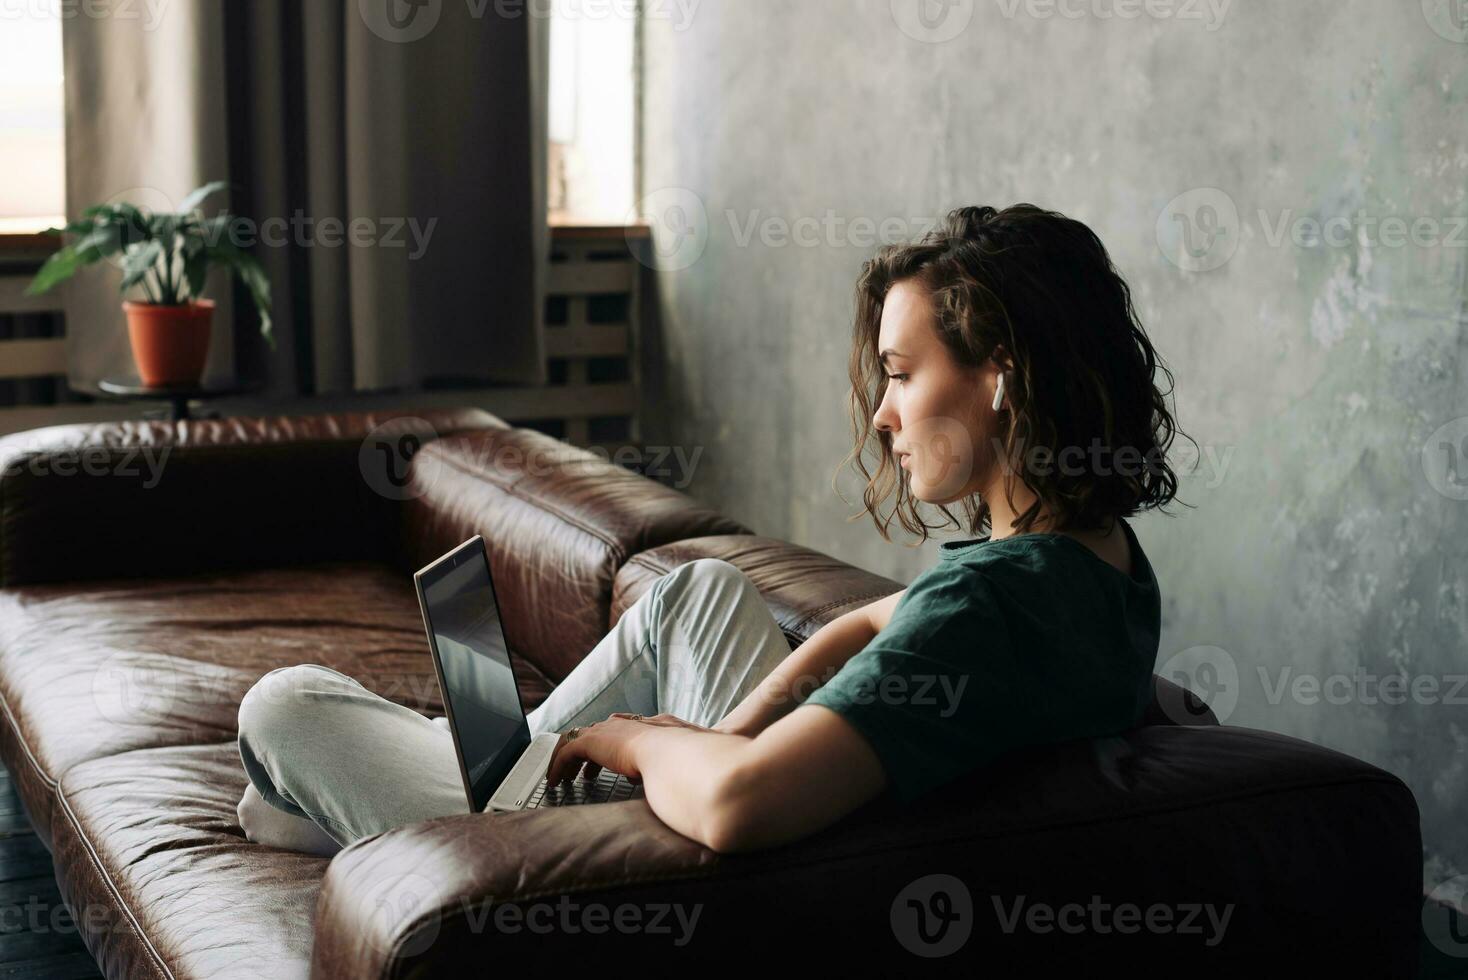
(803, 773)
(812, 664)
(770, 772)
(731, 792)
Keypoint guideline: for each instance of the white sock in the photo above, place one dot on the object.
(264, 824)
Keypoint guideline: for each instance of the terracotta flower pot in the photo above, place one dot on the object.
(170, 343)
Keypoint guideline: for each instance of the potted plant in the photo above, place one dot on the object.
(167, 258)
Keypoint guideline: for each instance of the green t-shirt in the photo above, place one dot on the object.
(1023, 641)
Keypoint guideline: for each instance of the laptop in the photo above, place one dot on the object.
(502, 766)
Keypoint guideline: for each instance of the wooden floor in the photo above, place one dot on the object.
(38, 940)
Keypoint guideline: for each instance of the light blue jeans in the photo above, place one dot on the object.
(330, 762)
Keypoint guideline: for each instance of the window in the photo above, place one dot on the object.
(591, 113)
(32, 145)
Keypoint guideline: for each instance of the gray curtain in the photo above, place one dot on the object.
(390, 153)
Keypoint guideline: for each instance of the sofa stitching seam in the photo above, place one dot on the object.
(656, 568)
(839, 602)
(4, 539)
(340, 438)
(618, 551)
(111, 885)
(24, 745)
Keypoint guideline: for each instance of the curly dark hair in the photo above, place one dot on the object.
(1043, 287)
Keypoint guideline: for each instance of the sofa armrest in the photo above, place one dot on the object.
(154, 498)
(1310, 851)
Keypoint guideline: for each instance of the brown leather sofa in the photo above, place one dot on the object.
(136, 611)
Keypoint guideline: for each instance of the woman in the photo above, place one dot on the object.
(998, 364)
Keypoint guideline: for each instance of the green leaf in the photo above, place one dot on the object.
(132, 225)
(196, 266)
(139, 261)
(259, 285)
(267, 329)
(101, 243)
(197, 196)
(61, 266)
(163, 227)
(111, 214)
(98, 242)
(252, 274)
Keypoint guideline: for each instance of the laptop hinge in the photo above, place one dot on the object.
(527, 774)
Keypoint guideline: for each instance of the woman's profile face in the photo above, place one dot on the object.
(939, 413)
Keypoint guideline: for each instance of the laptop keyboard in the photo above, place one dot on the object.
(608, 787)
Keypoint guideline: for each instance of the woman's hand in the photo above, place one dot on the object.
(607, 745)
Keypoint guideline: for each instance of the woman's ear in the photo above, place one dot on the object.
(1002, 366)
(1001, 358)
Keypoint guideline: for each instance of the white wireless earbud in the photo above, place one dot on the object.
(999, 392)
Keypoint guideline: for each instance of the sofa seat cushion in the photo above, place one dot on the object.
(149, 851)
(94, 669)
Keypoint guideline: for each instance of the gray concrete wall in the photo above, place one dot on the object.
(1324, 544)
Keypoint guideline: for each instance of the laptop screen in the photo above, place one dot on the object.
(483, 699)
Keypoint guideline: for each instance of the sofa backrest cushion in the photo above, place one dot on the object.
(138, 499)
(804, 589)
(558, 522)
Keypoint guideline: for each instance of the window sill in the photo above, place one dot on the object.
(569, 229)
(28, 242)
